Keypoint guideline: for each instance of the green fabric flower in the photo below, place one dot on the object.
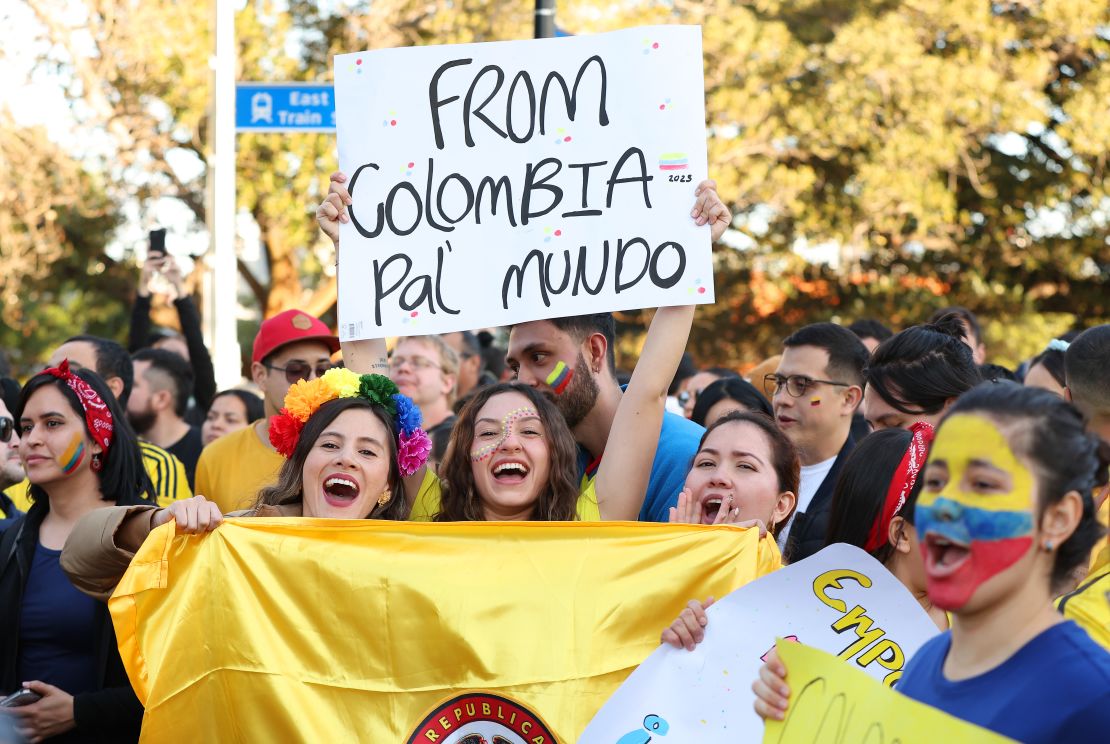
(379, 389)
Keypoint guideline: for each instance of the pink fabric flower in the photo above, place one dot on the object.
(412, 451)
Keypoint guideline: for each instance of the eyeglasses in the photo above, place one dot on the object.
(417, 362)
(7, 426)
(297, 371)
(797, 385)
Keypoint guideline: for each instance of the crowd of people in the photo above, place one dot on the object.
(982, 489)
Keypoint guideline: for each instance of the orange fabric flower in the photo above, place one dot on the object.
(305, 396)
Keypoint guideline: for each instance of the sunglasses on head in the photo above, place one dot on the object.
(7, 427)
(297, 371)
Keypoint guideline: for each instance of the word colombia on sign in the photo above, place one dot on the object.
(511, 181)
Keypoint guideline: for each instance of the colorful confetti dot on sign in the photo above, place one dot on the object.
(655, 45)
(567, 138)
(558, 233)
(358, 61)
(415, 313)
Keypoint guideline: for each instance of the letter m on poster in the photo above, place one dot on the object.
(513, 181)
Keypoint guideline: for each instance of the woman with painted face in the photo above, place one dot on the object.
(1005, 516)
(80, 456)
(348, 441)
(917, 374)
(512, 455)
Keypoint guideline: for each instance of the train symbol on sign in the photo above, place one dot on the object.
(262, 108)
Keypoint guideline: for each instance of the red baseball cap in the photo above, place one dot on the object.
(287, 327)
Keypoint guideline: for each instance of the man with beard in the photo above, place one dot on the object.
(158, 402)
(571, 361)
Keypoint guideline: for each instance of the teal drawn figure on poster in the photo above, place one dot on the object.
(652, 725)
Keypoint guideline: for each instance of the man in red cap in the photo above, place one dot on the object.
(290, 346)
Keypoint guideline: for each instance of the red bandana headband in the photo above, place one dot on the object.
(97, 416)
(902, 483)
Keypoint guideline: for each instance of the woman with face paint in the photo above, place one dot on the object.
(513, 457)
(348, 441)
(917, 374)
(80, 456)
(1005, 516)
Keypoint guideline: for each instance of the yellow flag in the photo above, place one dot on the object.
(337, 631)
(832, 701)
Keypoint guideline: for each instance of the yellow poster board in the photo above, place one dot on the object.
(832, 702)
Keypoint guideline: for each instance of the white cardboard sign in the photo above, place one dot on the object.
(840, 600)
(512, 181)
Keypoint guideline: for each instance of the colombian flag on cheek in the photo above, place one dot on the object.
(968, 536)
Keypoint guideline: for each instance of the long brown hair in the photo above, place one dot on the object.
(558, 501)
(289, 488)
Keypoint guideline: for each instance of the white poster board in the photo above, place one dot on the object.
(512, 181)
(840, 600)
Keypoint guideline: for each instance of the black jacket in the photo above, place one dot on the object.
(110, 714)
(807, 534)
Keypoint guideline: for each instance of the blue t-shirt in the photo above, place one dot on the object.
(678, 443)
(57, 628)
(1056, 688)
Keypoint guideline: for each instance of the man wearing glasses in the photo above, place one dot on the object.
(290, 346)
(817, 388)
(426, 369)
(11, 467)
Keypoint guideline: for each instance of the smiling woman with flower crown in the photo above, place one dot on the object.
(348, 441)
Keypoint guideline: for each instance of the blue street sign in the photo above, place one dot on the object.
(284, 107)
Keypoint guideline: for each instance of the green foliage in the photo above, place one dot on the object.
(950, 151)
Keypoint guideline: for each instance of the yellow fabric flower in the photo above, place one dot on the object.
(343, 381)
(305, 396)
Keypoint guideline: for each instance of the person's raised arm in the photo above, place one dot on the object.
(366, 356)
(204, 374)
(622, 478)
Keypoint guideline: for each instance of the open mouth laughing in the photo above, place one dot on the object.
(509, 472)
(341, 490)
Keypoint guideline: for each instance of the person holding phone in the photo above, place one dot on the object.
(190, 342)
(80, 456)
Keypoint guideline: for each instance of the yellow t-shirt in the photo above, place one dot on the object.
(1089, 606)
(166, 472)
(235, 467)
(1100, 556)
(427, 501)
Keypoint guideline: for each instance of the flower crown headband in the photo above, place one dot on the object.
(306, 396)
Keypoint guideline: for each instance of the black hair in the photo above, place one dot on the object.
(729, 388)
(123, 479)
(251, 403)
(1086, 362)
(173, 366)
(996, 373)
(1051, 434)
(870, 328)
(581, 326)
(112, 360)
(924, 366)
(493, 361)
(784, 455)
(686, 368)
(1053, 360)
(847, 354)
(861, 490)
(964, 315)
(9, 393)
(721, 372)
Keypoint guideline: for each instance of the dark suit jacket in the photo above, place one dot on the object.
(807, 534)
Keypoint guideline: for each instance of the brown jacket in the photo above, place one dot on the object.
(102, 544)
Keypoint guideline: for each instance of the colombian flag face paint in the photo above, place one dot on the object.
(560, 377)
(73, 455)
(980, 522)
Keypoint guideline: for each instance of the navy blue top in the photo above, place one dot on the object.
(57, 628)
(1056, 688)
(678, 443)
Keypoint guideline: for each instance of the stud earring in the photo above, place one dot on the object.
(385, 497)
(1048, 546)
(96, 465)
